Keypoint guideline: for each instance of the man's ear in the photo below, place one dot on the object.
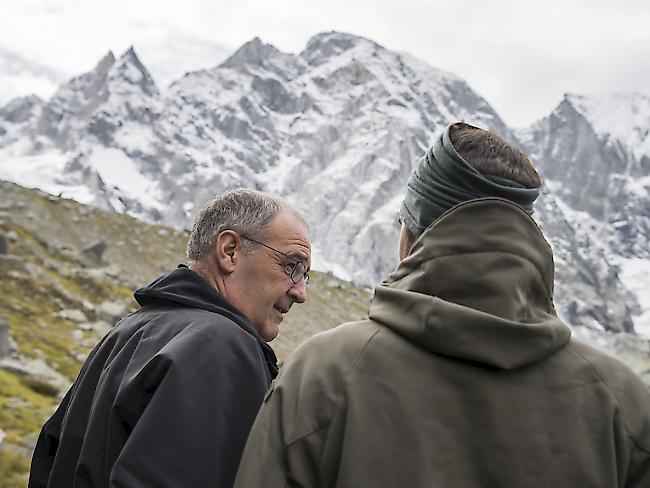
(406, 241)
(227, 249)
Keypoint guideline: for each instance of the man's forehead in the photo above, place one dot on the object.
(297, 248)
(289, 232)
(286, 224)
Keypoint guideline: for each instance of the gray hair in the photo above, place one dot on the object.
(247, 212)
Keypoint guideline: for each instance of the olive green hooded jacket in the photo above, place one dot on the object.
(462, 377)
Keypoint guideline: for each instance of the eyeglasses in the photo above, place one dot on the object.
(296, 269)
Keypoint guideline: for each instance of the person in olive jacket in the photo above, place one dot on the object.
(167, 398)
(463, 375)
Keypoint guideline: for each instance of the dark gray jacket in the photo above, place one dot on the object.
(166, 399)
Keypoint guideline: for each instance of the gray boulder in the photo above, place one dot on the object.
(111, 312)
(73, 315)
(93, 256)
(5, 339)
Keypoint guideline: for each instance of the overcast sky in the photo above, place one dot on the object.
(521, 56)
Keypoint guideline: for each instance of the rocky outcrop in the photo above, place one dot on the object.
(36, 369)
(93, 255)
(21, 109)
(74, 315)
(5, 338)
(111, 312)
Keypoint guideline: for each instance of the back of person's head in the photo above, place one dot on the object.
(492, 155)
(247, 212)
(467, 163)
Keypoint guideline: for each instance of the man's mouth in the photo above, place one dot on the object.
(281, 310)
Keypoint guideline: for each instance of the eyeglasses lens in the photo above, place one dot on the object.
(299, 272)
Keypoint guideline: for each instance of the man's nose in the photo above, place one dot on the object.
(298, 292)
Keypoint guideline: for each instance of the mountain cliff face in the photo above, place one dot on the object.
(594, 155)
(336, 129)
(16, 118)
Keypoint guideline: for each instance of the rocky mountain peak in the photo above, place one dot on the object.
(257, 57)
(253, 53)
(618, 117)
(326, 45)
(74, 101)
(87, 85)
(105, 63)
(130, 69)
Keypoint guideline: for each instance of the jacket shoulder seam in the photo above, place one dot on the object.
(344, 377)
(602, 380)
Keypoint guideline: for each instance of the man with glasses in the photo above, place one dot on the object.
(168, 397)
(463, 376)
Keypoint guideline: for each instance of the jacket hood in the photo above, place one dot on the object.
(477, 284)
(183, 286)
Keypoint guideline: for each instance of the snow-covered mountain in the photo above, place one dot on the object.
(343, 117)
(594, 154)
(337, 129)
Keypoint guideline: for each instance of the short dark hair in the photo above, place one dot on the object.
(492, 155)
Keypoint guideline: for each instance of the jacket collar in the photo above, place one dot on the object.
(183, 286)
(477, 286)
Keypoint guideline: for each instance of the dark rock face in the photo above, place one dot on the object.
(588, 290)
(93, 255)
(568, 150)
(5, 344)
(274, 95)
(73, 103)
(21, 109)
(131, 69)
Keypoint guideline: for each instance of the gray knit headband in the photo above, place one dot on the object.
(442, 179)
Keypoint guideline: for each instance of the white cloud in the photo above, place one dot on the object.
(24, 83)
(19, 77)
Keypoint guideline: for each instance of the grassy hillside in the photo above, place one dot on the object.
(68, 273)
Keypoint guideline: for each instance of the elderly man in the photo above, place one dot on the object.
(168, 397)
(463, 376)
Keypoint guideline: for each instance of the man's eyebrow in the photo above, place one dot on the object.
(298, 256)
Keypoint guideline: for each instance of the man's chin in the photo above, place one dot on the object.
(270, 337)
(272, 330)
